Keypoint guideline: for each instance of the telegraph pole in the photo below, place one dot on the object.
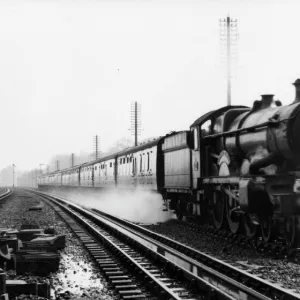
(228, 62)
(96, 147)
(96, 151)
(135, 121)
(135, 124)
(229, 36)
(13, 175)
(72, 160)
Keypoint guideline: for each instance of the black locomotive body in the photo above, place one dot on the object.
(245, 169)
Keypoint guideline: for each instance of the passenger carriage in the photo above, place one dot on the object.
(104, 172)
(138, 167)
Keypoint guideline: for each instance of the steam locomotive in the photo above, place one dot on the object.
(238, 167)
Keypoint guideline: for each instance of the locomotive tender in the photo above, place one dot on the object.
(237, 166)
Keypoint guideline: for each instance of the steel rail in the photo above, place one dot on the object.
(221, 269)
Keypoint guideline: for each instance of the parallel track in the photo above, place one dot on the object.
(179, 272)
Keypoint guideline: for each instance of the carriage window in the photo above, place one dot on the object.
(124, 160)
(131, 159)
(141, 160)
(148, 161)
(96, 168)
(120, 161)
(110, 164)
(127, 159)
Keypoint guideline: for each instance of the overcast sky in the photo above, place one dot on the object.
(70, 69)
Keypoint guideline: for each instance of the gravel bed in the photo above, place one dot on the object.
(280, 271)
(78, 276)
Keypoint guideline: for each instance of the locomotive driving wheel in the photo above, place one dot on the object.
(218, 208)
(231, 204)
(291, 231)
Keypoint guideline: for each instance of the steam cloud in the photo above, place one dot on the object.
(136, 206)
(260, 153)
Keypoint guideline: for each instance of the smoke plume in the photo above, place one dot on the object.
(136, 206)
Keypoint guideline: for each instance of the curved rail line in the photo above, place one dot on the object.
(202, 270)
(5, 193)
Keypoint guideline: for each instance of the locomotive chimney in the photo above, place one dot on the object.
(266, 101)
(297, 86)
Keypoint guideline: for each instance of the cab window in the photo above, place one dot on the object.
(206, 128)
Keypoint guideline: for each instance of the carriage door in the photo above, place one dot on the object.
(195, 157)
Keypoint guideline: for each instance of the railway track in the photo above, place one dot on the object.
(164, 267)
(5, 193)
